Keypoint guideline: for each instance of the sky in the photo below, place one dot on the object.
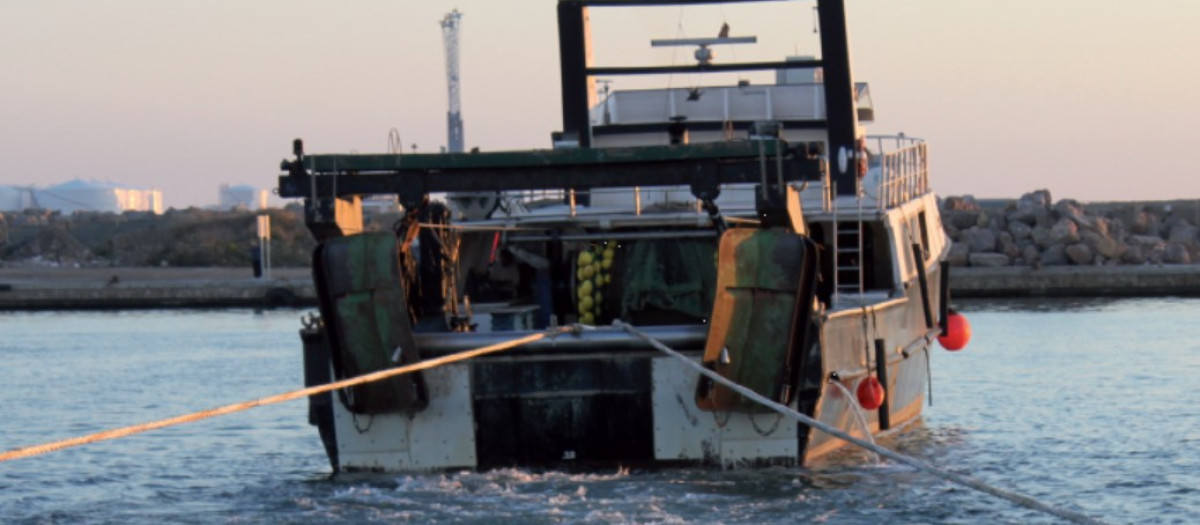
(1092, 99)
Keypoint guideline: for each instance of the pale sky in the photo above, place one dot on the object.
(1093, 99)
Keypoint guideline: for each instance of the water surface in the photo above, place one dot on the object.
(1086, 404)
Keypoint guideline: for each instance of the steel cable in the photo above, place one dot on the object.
(1019, 499)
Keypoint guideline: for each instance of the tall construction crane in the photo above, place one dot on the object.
(454, 123)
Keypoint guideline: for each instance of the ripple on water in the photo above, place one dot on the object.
(1066, 401)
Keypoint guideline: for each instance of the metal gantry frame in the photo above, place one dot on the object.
(578, 74)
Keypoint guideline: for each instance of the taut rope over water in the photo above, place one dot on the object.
(1019, 499)
(271, 400)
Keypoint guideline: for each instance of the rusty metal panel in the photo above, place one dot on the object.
(364, 306)
(762, 278)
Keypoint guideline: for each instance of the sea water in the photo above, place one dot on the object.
(1088, 405)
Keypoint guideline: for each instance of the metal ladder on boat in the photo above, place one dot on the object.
(848, 253)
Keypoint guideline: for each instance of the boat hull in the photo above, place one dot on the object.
(609, 401)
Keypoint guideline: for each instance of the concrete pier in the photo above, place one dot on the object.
(114, 288)
(37, 288)
(1076, 281)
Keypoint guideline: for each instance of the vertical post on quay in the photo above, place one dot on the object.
(264, 243)
(881, 373)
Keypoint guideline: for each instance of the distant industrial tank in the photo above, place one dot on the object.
(81, 195)
(241, 196)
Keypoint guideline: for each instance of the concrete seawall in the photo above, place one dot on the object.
(1076, 281)
(115, 288)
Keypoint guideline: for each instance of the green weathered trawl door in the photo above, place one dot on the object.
(761, 311)
(365, 310)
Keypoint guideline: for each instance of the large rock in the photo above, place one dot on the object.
(1145, 242)
(1040, 198)
(1103, 245)
(979, 239)
(1065, 231)
(989, 260)
(1183, 233)
(1055, 255)
(953, 233)
(1006, 245)
(1176, 253)
(997, 222)
(1030, 216)
(1040, 236)
(1031, 255)
(1073, 210)
(1133, 255)
(963, 203)
(958, 254)
(1019, 230)
(1135, 218)
(984, 220)
(1153, 225)
(1031, 209)
(961, 219)
(1079, 254)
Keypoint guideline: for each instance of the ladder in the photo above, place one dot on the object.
(848, 252)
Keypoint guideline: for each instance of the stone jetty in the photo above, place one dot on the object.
(1036, 232)
(1035, 246)
(1030, 246)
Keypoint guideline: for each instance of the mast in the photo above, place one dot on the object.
(840, 113)
(575, 58)
(454, 124)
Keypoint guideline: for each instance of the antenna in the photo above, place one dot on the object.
(605, 90)
(704, 55)
(395, 144)
(454, 124)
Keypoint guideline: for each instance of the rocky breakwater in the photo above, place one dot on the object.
(1060, 247)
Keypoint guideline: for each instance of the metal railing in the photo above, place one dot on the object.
(525, 200)
(903, 171)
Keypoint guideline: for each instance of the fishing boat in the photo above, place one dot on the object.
(755, 228)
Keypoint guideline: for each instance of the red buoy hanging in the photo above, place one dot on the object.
(958, 332)
(870, 393)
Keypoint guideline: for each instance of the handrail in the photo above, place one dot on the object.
(903, 172)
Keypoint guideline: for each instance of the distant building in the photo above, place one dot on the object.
(241, 196)
(81, 195)
(13, 198)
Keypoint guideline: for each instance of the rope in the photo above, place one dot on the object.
(858, 416)
(271, 400)
(1019, 499)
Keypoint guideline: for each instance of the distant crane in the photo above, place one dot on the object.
(454, 123)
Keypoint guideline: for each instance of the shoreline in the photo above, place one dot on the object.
(103, 288)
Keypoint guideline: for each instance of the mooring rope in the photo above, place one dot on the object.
(271, 400)
(1019, 499)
